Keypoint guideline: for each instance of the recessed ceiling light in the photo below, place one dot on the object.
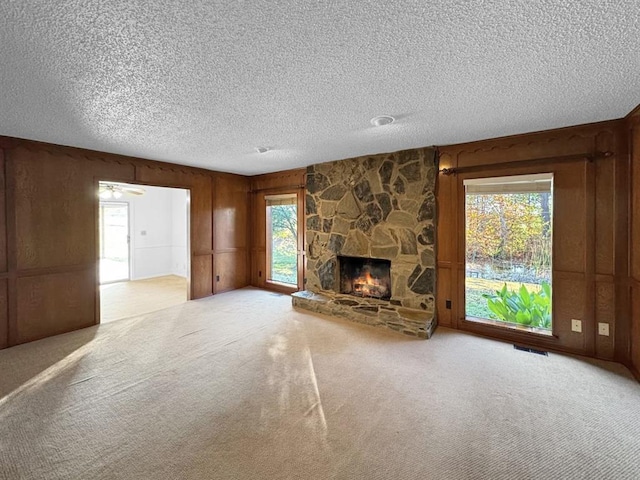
(382, 120)
(262, 149)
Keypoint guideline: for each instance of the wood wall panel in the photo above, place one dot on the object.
(604, 218)
(605, 298)
(634, 241)
(52, 304)
(201, 213)
(447, 215)
(231, 214)
(53, 196)
(3, 218)
(547, 144)
(229, 270)
(230, 241)
(288, 179)
(258, 263)
(258, 240)
(442, 296)
(569, 303)
(4, 313)
(569, 218)
(635, 201)
(201, 276)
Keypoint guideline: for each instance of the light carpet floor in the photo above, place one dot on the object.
(242, 386)
(137, 297)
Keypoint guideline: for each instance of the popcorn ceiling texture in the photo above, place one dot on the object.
(205, 82)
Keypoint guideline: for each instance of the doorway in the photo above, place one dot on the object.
(508, 251)
(144, 249)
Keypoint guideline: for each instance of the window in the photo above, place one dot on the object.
(508, 250)
(282, 239)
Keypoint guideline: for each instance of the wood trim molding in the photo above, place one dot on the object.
(565, 275)
(202, 253)
(284, 188)
(287, 180)
(35, 272)
(533, 139)
(606, 278)
(12, 247)
(94, 155)
(589, 327)
(229, 250)
(590, 157)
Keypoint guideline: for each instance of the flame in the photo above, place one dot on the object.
(368, 285)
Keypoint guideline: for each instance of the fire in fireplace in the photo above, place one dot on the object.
(365, 277)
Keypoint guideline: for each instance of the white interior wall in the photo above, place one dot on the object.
(179, 232)
(159, 237)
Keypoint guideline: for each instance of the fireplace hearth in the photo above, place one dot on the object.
(365, 277)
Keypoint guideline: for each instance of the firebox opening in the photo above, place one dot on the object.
(365, 277)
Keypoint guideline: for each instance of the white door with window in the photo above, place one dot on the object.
(114, 242)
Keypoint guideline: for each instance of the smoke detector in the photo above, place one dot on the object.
(382, 120)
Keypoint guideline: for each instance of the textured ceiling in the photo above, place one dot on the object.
(205, 82)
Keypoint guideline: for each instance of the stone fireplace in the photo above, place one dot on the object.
(370, 236)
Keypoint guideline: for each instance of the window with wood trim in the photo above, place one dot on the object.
(282, 239)
(508, 249)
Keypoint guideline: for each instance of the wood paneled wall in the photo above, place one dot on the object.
(231, 239)
(290, 181)
(590, 241)
(48, 232)
(633, 122)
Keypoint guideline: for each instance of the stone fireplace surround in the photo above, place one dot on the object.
(379, 206)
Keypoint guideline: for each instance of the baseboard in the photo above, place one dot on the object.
(157, 276)
(634, 370)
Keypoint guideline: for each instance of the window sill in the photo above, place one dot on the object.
(512, 327)
(280, 286)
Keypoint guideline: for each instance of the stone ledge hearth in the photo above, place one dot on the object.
(378, 207)
(368, 311)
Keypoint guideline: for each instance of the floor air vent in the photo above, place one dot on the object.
(531, 350)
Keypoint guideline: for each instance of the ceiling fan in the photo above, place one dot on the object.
(107, 191)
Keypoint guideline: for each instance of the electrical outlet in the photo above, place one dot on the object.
(576, 325)
(603, 329)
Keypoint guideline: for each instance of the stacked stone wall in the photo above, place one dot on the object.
(380, 206)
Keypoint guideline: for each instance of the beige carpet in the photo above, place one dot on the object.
(240, 386)
(126, 299)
